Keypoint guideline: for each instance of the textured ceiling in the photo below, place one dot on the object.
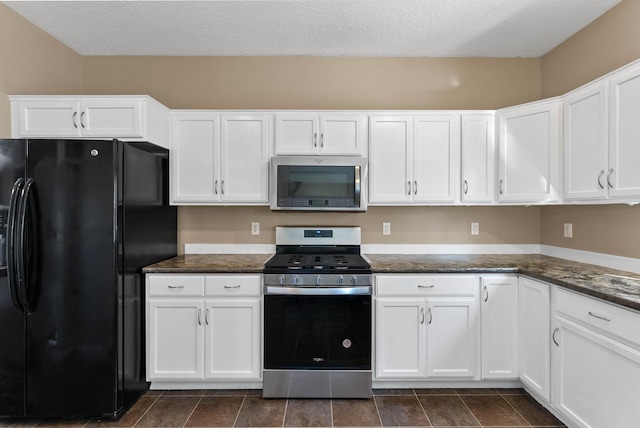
(392, 28)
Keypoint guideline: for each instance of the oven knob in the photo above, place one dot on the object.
(281, 280)
(354, 280)
(318, 280)
(340, 280)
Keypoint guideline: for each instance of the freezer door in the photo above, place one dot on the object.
(12, 322)
(72, 332)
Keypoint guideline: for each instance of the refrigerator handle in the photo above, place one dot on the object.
(11, 243)
(21, 252)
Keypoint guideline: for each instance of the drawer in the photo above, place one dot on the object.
(233, 285)
(608, 318)
(175, 285)
(427, 285)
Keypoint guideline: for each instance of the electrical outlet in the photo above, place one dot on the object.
(255, 228)
(475, 228)
(568, 230)
(386, 228)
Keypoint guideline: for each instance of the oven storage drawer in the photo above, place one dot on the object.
(232, 285)
(175, 285)
(427, 285)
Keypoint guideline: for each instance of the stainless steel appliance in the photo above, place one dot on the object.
(330, 183)
(79, 220)
(317, 315)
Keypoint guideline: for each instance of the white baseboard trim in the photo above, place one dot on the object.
(229, 248)
(450, 249)
(600, 259)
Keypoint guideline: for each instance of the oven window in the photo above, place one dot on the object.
(317, 332)
(308, 182)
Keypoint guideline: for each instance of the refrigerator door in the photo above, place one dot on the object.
(71, 279)
(12, 322)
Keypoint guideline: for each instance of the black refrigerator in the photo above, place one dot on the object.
(78, 221)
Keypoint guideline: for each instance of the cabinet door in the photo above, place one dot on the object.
(232, 339)
(529, 153)
(478, 158)
(175, 335)
(596, 379)
(390, 163)
(400, 338)
(194, 173)
(111, 118)
(296, 134)
(42, 118)
(244, 158)
(624, 135)
(534, 338)
(343, 134)
(436, 158)
(499, 311)
(452, 337)
(585, 143)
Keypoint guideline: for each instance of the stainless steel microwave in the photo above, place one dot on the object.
(318, 183)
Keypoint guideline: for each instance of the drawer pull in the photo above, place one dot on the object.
(231, 286)
(176, 287)
(426, 286)
(599, 316)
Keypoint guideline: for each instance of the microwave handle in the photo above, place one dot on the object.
(357, 184)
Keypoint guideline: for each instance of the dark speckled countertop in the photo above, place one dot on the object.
(612, 285)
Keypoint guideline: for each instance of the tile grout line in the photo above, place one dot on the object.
(284, 415)
(331, 411)
(470, 411)
(244, 397)
(422, 407)
(375, 403)
(193, 411)
(516, 410)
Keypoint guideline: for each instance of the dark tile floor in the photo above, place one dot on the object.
(389, 407)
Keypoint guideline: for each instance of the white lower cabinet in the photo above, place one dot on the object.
(596, 362)
(203, 327)
(499, 314)
(427, 327)
(534, 320)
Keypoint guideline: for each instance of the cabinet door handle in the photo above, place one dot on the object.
(609, 178)
(599, 178)
(82, 119)
(322, 139)
(553, 336)
(408, 188)
(599, 316)
(232, 286)
(222, 187)
(206, 316)
(501, 186)
(215, 187)
(486, 293)
(422, 313)
(315, 140)
(199, 316)
(430, 316)
(415, 187)
(425, 286)
(73, 118)
(466, 187)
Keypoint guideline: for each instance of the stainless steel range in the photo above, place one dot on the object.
(317, 315)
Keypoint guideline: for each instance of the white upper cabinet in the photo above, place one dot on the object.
(478, 158)
(529, 153)
(601, 135)
(124, 117)
(315, 134)
(585, 143)
(219, 158)
(414, 159)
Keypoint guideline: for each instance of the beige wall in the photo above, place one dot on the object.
(32, 62)
(608, 43)
(318, 83)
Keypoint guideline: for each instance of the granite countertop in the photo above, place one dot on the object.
(612, 285)
(211, 263)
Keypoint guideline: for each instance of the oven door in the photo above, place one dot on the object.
(329, 329)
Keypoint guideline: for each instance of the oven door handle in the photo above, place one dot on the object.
(318, 291)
